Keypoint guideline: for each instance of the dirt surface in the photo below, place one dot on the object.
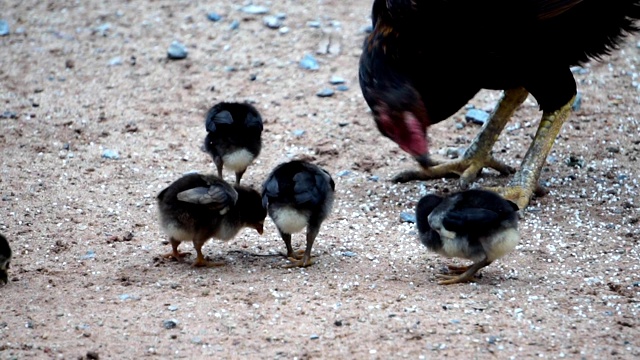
(87, 279)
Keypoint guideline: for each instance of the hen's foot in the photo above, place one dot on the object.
(517, 194)
(467, 168)
(296, 255)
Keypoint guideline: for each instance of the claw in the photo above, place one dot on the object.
(518, 195)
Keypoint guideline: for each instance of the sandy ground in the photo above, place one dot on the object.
(87, 281)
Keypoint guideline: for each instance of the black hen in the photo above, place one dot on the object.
(478, 225)
(5, 259)
(298, 194)
(234, 136)
(198, 207)
(426, 59)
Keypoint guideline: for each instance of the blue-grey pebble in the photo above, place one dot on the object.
(255, 9)
(4, 28)
(477, 116)
(309, 62)
(342, 88)
(110, 154)
(325, 92)
(177, 51)
(407, 217)
(235, 24)
(214, 16)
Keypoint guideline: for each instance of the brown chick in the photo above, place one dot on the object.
(197, 207)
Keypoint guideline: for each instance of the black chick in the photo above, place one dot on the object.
(298, 194)
(5, 259)
(197, 207)
(233, 138)
(478, 225)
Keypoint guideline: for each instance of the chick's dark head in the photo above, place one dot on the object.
(5, 259)
(250, 209)
(426, 205)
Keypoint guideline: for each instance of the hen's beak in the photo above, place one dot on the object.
(425, 160)
(259, 228)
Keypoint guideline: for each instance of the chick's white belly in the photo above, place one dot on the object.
(290, 220)
(502, 244)
(238, 160)
(177, 232)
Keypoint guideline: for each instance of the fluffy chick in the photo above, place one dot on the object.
(298, 194)
(478, 225)
(5, 259)
(234, 136)
(197, 207)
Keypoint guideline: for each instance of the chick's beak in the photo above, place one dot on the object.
(259, 228)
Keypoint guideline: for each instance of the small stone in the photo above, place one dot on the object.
(492, 340)
(337, 323)
(116, 61)
(283, 30)
(110, 154)
(89, 255)
(92, 355)
(613, 149)
(4, 28)
(124, 297)
(9, 115)
(374, 178)
(298, 133)
(170, 324)
(577, 103)
(177, 51)
(103, 29)
(272, 22)
(343, 173)
(574, 161)
(407, 217)
(342, 88)
(336, 80)
(253, 77)
(172, 308)
(325, 93)
(579, 70)
(343, 124)
(314, 337)
(196, 340)
(313, 24)
(308, 62)
(235, 24)
(281, 16)
(459, 126)
(367, 29)
(255, 9)
(477, 116)
(349, 254)
(214, 16)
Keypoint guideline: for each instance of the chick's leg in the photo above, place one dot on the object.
(525, 182)
(239, 176)
(175, 254)
(478, 154)
(307, 260)
(468, 275)
(291, 255)
(200, 260)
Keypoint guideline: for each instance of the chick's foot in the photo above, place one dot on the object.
(304, 262)
(176, 255)
(202, 262)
